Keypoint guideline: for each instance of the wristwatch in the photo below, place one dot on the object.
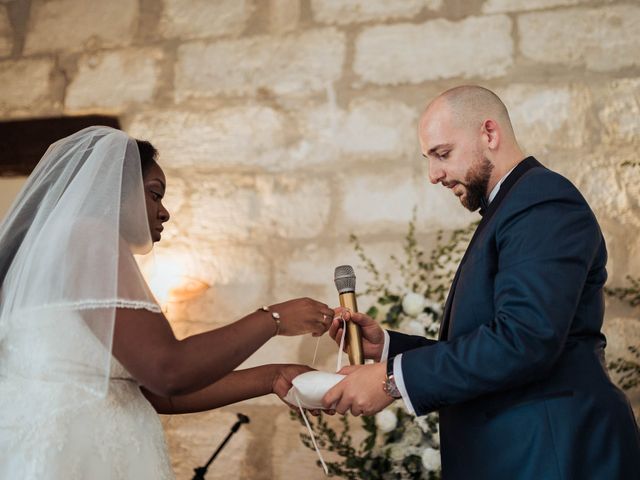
(389, 385)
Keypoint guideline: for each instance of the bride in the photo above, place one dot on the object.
(86, 356)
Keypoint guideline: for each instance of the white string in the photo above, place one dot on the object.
(313, 438)
(315, 354)
(340, 351)
(338, 367)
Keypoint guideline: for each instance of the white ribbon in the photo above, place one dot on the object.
(313, 438)
(328, 383)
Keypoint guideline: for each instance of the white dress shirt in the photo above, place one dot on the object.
(397, 361)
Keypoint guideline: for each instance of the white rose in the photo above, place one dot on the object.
(412, 434)
(413, 327)
(435, 306)
(413, 304)
(431, 459)
(436, 438)
(397, 452)
(386, 420)
(423, 423)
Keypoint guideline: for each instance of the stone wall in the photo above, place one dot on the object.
(286, 125)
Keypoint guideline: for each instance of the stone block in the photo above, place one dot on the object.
(292, 64)
(618, 107)
(499, 6)
(224, 208)
(355, 11)
(440, 209)
(239, 207)
(368, 128)
(235, 137)
(621, 333)
(112, 80)
(284, 15)
(547, 117)
(30, 96)
(6, 33)
(203, 18)
(309, 270)
(409, 53)
(601, 39)
(384, 203)
(69, 25)
(293, 207)
(611, 192)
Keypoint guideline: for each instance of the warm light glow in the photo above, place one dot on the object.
(170, 281)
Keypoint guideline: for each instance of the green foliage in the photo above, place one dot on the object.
(630, 294)
(628, 370)
(396, 453)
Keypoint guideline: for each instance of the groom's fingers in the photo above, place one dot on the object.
(361, 319)
(347, 369)
(331, 397)
(343, 406)
(335, 330)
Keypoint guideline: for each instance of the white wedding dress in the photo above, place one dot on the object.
(50, 430)
(68, 410)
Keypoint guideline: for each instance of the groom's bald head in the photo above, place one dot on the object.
(468, 106)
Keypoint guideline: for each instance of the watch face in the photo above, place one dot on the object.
(390, 388)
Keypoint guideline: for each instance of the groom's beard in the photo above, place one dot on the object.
(476, 183)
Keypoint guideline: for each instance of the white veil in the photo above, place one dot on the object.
(66, 260)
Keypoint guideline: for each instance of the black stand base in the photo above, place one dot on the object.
(200, 472)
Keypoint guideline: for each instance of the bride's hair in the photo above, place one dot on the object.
(148, 154)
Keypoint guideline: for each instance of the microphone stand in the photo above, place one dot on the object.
(201, 471)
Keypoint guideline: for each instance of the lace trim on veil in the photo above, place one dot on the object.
(93, 304)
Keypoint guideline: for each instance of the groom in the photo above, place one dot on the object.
(518, 372)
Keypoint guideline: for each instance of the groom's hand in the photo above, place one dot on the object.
(372, 333)
(361, 392)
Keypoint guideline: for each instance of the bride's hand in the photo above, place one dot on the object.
(282, 378)
(303, 315)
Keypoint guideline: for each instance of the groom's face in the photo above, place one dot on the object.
(455, 158)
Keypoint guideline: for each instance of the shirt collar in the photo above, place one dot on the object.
(496, 189)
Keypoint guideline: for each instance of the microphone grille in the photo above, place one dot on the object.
(345, 279)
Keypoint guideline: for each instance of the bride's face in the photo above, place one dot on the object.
(154, 189)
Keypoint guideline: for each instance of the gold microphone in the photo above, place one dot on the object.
(345, 280)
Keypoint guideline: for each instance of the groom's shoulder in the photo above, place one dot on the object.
(541, 185)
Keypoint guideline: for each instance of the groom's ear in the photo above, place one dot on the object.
(491, 134)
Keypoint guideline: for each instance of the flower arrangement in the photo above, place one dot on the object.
(628, 371)
(398, 445)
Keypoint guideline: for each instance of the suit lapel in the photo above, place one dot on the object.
(517, 173)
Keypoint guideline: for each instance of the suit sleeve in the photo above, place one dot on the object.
(544, 255)
(401, 342)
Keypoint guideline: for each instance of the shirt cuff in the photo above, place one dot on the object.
(397, 376)
(385, 348)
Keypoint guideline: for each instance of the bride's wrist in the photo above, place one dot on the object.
(272, 377)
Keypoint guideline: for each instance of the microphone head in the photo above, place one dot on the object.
(345, 279)
(243, 418)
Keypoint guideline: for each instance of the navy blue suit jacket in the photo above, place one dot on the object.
(518, 373)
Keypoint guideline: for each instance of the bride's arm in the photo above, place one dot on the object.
(145, 344)
(237, 386)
